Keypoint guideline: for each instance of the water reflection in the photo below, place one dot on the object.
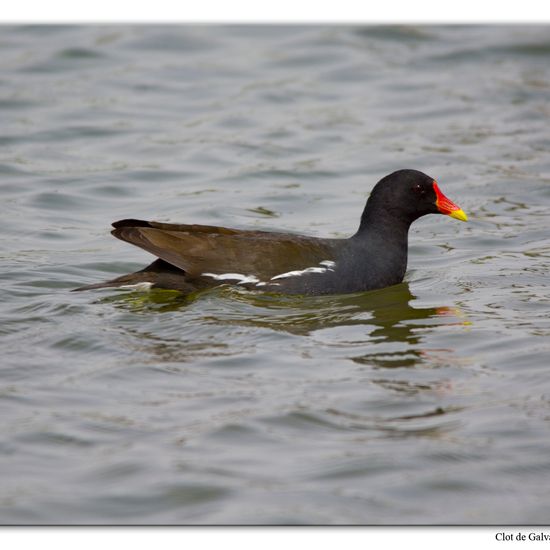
(387, 314)
(388, 311)
(429, 422)
(376, 329)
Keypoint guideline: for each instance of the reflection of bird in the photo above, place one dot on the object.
(394, 318)
(191, 257)
(397, 321)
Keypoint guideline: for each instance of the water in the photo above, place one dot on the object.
(428, 402)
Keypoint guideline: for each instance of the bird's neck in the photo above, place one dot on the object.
(383, 222)
(382, 242)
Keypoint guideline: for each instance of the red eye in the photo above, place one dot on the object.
(418, 189)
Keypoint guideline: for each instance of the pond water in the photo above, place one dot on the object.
(423, 403)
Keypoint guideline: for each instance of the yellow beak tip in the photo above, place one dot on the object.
(459, 215)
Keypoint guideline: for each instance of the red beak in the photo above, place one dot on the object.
(447, 206)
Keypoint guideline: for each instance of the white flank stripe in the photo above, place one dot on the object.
(328, 265)
(238, 277)
(300, 272)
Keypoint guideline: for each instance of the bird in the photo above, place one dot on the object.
(193, 257)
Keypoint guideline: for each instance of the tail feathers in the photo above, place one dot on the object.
(130, 222)
(158, 274)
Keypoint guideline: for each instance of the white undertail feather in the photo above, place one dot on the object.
(143, 286)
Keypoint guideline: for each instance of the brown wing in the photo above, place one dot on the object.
(199, 249)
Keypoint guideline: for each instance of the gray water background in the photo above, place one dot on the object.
(427, 402)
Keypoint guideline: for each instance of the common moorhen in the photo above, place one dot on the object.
(192, 257)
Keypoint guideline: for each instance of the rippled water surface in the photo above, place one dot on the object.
(427, 402)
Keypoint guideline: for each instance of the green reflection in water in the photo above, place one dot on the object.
(393, 335)
(388, 310)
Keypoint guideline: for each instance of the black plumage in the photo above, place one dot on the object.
(192, 257)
